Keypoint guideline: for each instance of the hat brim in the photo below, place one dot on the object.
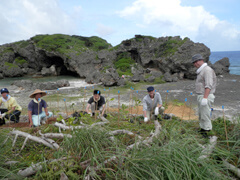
(40, 92)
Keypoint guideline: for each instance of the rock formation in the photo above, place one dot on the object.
(142, 58)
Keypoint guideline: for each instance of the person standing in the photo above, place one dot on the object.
(205, 88)
(152, 104)
(35, 113)
(12, 109)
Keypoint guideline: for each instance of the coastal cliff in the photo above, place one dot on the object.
(142, 58)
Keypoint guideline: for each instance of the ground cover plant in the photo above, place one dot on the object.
(121, 146)
(93, 152)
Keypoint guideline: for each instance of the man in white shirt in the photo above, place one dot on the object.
(205, 88)
(152, 104)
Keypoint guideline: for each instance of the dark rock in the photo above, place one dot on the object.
(221, 67)
(156, 74)
(137, 78)
(25, 84)
(121, 82)
(111, 78)
(150, 79)
(167, 77)
(147, 70)
(29, 85)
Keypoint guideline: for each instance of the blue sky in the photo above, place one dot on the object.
(216, 23)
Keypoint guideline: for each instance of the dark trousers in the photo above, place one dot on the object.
(14, 116)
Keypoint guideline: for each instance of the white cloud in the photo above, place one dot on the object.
(171, 18)
(23, 19)
(103, 30)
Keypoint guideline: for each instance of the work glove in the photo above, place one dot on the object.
(3, 115)
(204, 102)
(156, 112)
(145, 119)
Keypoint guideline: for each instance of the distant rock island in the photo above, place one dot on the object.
(142, 58)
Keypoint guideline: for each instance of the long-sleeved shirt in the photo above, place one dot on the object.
(149, 104)
(206, 79)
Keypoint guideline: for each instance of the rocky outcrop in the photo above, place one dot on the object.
(30, 85)
(93, 58)
(221, 67)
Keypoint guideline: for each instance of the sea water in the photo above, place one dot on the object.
(234, 59)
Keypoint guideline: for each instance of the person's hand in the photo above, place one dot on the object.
(204, 102)
(156, 112)
(30, 124)
(145, 119)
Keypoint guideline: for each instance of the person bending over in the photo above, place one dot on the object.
(152, 104)
(97, 102)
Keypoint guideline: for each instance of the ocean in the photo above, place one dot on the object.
(234, 59)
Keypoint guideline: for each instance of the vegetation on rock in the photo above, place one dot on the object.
(65, 43)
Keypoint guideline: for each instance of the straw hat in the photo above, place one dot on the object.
(37, 91)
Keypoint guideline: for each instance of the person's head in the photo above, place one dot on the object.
(38, 94)
(197, 60)
(96, 94)
(150, 91)
(4, 93)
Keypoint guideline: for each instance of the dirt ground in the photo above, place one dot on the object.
(182, 112)
(24, 124)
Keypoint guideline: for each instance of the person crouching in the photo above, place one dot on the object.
(13, 109)
(152, 104)
(97, 102)
(35, 113)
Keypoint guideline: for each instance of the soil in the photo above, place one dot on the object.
(25, 124)
(183, 112)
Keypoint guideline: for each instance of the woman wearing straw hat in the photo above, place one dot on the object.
(12, 111)
(35, 113)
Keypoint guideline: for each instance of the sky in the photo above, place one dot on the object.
(216, 23)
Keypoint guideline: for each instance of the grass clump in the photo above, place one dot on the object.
(20, 60)
(10, 65)
(123, 64)
(170, 47)
(65, 43)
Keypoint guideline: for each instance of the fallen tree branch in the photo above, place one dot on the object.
(55, 135)
(208, 150)
(149, 140)
(122, 131)
(232, 168)
(33, 138)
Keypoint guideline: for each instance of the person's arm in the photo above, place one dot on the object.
(46, 111)
(144, 107)
(159, 101)
(87, 108)
(206, 93)
(30, 118)
(103, 110)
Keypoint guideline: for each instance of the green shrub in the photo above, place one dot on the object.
(20, 60)
(10, 65)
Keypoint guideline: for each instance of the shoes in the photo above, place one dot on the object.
(204, 133)
(93, 114)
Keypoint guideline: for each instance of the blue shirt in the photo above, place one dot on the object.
(32, 106)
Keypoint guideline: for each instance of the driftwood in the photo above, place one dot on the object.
(34, 168)
(232, 168)
(149, 140)
(49, 143)
(208, 150)
(64, 127)
(55, 135)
